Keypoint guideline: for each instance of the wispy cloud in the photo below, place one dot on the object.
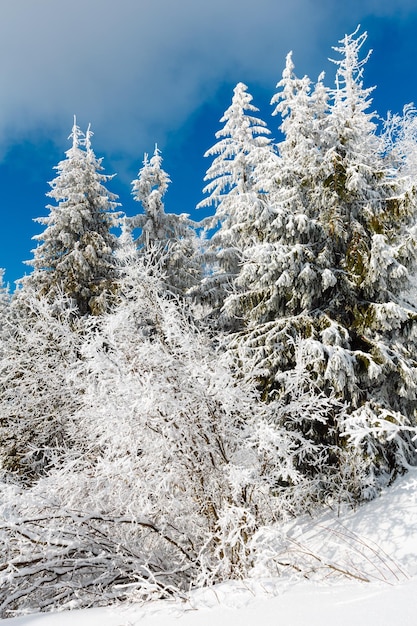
(138, 68)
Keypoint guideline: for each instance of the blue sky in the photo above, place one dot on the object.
(157, 71)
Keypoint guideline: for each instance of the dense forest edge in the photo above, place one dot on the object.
(172, 392)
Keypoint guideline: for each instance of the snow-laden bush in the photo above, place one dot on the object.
(40, 342)
(173, 465)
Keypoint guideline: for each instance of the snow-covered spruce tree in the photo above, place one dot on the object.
(4, 298)
(303, 109)
(168, 238)
(401, 147)
(236, 193)
(174, 465)
(75, 255)
(290, 234)
(342, 252)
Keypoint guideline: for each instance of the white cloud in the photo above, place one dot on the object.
(133, 67)
(137, 68)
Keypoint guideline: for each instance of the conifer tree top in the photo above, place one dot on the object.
(75, 251)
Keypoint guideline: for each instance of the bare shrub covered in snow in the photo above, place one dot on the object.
(173, 465)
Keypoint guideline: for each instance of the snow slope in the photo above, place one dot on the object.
(378, 542)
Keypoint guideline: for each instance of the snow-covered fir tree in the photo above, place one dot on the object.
(402, 135)
(401, 147)
(168, 237)
(75, 253)
(276, 254)
(241, 156)
(341, 252)
(4, 296)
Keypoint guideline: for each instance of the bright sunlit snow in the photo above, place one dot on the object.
(377, 542)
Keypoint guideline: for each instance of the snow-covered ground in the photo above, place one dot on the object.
(378, 543)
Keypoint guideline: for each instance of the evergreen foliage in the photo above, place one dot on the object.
(241, 156)
(341, 253)
(75, 255)
(4, 298)
(142, 453)
(168, 237)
